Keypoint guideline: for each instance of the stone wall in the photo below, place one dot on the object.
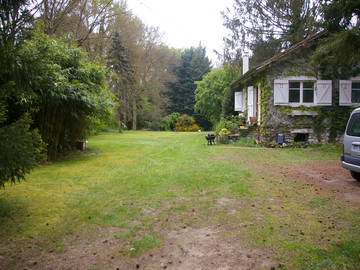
(284, 119)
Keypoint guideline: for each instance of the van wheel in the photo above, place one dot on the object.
(355, 175)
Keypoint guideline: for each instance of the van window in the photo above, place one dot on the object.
(353, 128)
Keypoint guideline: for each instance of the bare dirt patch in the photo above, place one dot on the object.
(204, 249)
(90, 249)
(325, 176)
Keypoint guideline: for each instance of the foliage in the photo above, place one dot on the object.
(210, 91)
(224, 132)
(21, 147)
(186, 123)
(246, 141)
(341, 14)
(333, 119)
(194, 65)
(231, 123)
(263, 49)
(143, 102)
(338, 54)
(169, 122)
(67, 91)
(21, 150)
(15, 19)
(223, 136)
(122, 78)
(258, 22)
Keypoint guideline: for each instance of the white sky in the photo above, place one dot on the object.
(185, 23)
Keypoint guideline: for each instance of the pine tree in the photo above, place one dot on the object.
(338, 55)
(280, 23)
(123, 78)
(194, 65)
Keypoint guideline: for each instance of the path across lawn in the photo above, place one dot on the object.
(165, 200)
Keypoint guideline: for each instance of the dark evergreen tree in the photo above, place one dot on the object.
(341, 14)
(123, 78)
(338, 55)
(194, 65)
(268, 22)
(118, 59)
(264, 49)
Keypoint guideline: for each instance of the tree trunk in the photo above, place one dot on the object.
(134, 114)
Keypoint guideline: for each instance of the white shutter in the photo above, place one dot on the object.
(238, 101)
(323, 92)
(345, 93)
(251, 102)
(281, 92)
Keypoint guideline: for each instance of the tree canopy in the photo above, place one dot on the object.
(338, 55)
(194, 65)
(210, 92)
(280, 23)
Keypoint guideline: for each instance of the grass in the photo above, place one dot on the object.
(138, 181)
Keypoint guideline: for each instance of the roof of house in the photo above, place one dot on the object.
(304, 43)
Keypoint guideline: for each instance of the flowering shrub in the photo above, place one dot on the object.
(186, 123)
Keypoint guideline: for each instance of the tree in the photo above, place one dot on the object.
(67, 91)
(338, 54)
(21, 149)
(210, 91)
(341, 14)
(80, 21)
(194, 65)
(155, 101)
(122, 78)
(16, 17)
(254, 21)
(143, 102)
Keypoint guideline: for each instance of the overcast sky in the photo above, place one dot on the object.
(185, 23)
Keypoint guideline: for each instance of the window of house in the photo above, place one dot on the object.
(301, 137)
(355, 92)
(301, 92)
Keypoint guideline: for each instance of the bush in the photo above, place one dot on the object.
(21, 150)
(169, 121)
(223, 136)
(231, 123)
(186, 123)
(246, 141)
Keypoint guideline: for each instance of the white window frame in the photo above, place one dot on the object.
(322, 91)
(345, 89)
(302, 103)
(352, 89)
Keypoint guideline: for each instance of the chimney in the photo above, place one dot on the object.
(245, 60)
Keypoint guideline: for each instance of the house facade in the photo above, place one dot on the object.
(287, 95)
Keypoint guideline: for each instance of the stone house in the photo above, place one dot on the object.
(287, 95)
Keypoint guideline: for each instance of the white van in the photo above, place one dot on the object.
(351, 158)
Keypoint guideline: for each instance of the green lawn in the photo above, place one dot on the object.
(138, 181)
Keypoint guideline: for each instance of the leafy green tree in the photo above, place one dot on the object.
(210, 92)
(194, 65)
(67, 91)
(21, 147)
